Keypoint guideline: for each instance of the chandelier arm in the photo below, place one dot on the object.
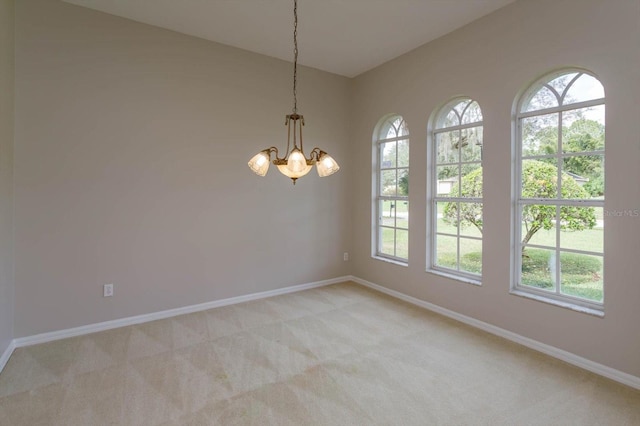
(314, 155)
(288, 123)
(295, 139)
(301, 125)
(274, 150)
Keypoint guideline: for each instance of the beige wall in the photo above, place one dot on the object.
(131, 157)
(6, 173)
(491, 60)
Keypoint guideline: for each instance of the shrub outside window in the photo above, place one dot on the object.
(560, 189)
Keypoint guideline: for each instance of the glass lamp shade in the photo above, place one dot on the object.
(326, 165)
(260, 163)
(284, 169)
(296, 163)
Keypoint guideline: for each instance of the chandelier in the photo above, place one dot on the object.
(294, 164)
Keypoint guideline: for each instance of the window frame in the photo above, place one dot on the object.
(556, 297)
(378, 197)
(432, 190)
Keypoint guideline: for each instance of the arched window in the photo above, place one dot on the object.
(455, 192)
(559, 183)
(391, 189)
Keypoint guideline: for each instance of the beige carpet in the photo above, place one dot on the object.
(337, 355)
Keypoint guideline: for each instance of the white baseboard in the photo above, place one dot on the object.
(138, 319)
(7, 354)
(594, 367)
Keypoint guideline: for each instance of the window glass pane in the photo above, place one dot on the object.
(583, 129)
(538, 268)
(470, 219)
(446, 222)
(403, 153)
(559, 84)
(461, 106)
(471, 255)
(449, 120)
(446, 251)
(403, 182)
(581, 276)
(471, 144)
(473, 114)
(448, 217)
(587, 235)
(388, 151)
(471, 181)
(388, 182)
(539, 179)
(536, 219)
(387, 240)
(581, 229)
(538, 224)
(402, 243)
(447, 147)
(543, 98)
(389, 132)
(584, 88)
(583, 177)
(540, 135)
(387, 213)
(402, 214)
(447, 183)
(403, 130)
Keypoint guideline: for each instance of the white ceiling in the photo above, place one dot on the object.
(345, 37)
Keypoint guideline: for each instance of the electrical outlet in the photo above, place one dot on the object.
(107, 290)
(345, 256)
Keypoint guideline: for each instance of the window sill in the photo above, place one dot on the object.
(560, 303)
(466, 280)
(393, 261)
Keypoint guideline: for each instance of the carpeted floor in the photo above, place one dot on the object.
(336, 355)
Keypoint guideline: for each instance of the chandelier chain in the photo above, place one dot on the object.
(295, 56)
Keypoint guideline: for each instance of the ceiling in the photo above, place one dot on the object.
(345, 37)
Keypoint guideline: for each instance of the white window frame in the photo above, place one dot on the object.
(433, 198)
(378, 197)
(556, 297)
